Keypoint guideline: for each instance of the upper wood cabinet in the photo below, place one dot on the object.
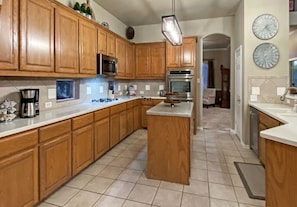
(66, 41)
(181, 56)
(9, 21)
(150, 60)
(37, 36)
(87, 47)
(130, 61)
(121, 56)
(19, 169)
(106, 42)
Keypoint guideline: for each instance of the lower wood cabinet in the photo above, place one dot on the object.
(146, 104)
(82, 142)
(130, 117)
(265, 122)
(19, 169)
(123, 124)
(54, 156)
(101, 132)
(136, 115)
(118, 123)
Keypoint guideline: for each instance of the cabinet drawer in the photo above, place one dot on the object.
(130, 104)
(101, 114)
(81, 121)
(268, 121)
(118, 108)
(54, 130)
(14, 143)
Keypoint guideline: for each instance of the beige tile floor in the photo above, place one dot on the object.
(118, 178)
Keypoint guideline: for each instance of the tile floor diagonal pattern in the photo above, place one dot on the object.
(118, 178)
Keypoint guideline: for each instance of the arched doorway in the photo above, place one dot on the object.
(216, 74)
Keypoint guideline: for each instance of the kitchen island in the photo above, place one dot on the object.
(170, 131)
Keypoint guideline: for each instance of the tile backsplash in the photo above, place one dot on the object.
(265, 89)
(92, 88)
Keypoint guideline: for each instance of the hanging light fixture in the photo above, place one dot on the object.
(171, 29)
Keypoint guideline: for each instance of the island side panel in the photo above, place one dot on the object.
(169, 148)
(281, 174)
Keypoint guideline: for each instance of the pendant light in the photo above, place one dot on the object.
(171, 29)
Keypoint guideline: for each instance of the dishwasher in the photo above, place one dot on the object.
(254, 130)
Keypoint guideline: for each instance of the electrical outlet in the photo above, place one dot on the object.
(100, 89)
(89, 90)
(147, 87)
(48, 104)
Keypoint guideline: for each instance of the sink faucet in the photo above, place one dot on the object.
(283, 97)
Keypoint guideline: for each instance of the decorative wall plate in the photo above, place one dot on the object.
(266, 55)
(265, 26)
(130, 33)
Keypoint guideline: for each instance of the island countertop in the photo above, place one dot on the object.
(183, 109)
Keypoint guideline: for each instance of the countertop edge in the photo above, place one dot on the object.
(171, 111)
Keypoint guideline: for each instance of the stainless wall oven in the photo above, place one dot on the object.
(182, 82)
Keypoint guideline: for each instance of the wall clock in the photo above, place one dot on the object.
(265, 26)
(266, 55)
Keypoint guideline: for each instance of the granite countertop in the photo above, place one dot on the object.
(183, 109)
(55, 115)
(285, 133)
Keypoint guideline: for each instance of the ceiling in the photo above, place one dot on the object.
(144, 12)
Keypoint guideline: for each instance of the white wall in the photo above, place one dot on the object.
(101, 15)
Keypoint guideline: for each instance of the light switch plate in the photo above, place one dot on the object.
(119, 87)
(100, 89)
(135, 87)
(253, 98)
(89, 90)
(280, 91)
(141, 92)
(161, 87)
(256, 90)
(51, 93)
(147, 87)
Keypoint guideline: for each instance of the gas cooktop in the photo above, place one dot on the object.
(104, 100)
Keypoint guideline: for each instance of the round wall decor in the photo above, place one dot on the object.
(265, 26)
(130, 33)
(266, 55)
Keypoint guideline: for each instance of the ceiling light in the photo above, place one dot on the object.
(171, 29)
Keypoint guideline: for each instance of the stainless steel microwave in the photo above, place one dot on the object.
(106, 65)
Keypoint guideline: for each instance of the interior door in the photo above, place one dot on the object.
(238, 92)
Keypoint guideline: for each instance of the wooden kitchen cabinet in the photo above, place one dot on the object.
(66, 45)
(265, 122)
(117, 123)
(136, 115)
(19, 169)
(54, 156)
(82, 142)
(37, 36)
(181, 56)
(130, 61)
(130, 117)
(101, 132)
(106, 43)
(9, 41)
(87, 47)
(121, 56)
(150, 61)
(146, 104)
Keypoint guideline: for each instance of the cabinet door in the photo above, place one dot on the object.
(83, 151)
(101, 137)
(102, 38)
(144, 108)
(130, 120)
(172, 55)
(111, 45)
(188, 52)
(121, 56)
(157, 63)
(123, 124)
(9, 34)
(114, 129)
(55, 164)
(19, 169)
(66, 41)
(136, 118)
(19, 179)
(37, 36)
(130, 61)
(142, 55)
(87, 47)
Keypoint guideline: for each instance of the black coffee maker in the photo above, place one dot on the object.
(29, 103)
